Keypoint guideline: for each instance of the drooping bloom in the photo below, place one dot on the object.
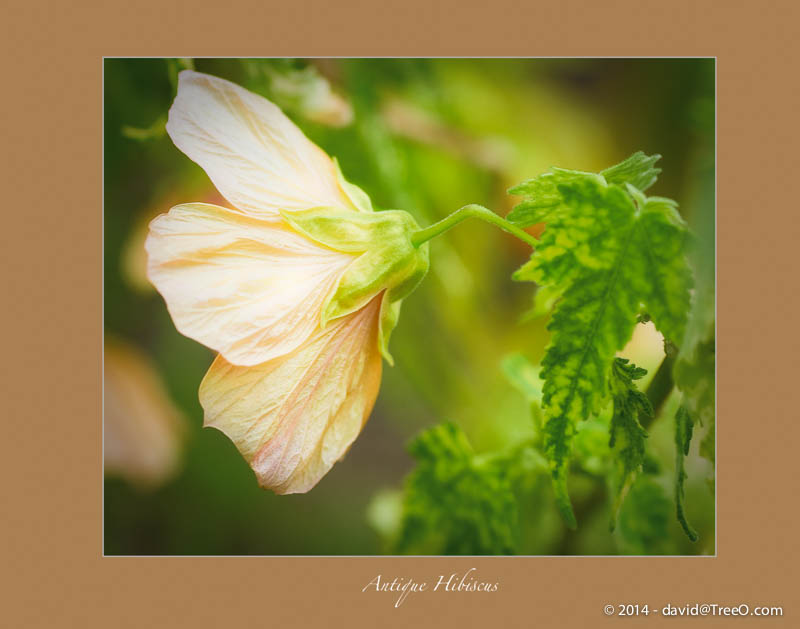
(297, 287)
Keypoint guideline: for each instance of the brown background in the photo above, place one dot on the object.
(52, 564)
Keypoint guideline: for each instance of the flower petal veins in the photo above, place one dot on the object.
(256, 157)
(249, 289)
(293, 417)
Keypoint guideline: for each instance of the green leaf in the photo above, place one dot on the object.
(694, 375)
(543, 195)
(523, 375)
(694, 370)
(662, 241)
(684, 426)
(644, 518)
(637, 171)
(707, 445)
(611, 253)
(543, 301)
(627, 436)
(456, 502)
(590, 450)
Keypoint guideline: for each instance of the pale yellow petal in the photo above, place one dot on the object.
(293, 417)
(257, 158)
(251, 290)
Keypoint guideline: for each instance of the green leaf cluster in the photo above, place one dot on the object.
(608, 254)
(644, 518)
(456, 502)
(627, 436)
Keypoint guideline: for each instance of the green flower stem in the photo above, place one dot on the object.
(470, 211)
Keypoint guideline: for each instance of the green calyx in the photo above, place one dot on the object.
(391, 249)
(387, 260)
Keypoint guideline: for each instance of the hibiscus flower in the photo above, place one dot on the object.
(297, 286)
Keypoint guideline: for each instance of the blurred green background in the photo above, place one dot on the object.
(426, 136)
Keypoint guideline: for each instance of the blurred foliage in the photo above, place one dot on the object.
(644, 519)
(455, 502)
(684, 426)
(426, 136)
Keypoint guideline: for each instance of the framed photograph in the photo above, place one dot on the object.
(399, 314)
(280, 267)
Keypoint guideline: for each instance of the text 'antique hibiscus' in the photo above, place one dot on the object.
(298, 287)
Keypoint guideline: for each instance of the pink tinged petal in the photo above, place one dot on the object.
(251, 290)
(293, 417)
(256, 157)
